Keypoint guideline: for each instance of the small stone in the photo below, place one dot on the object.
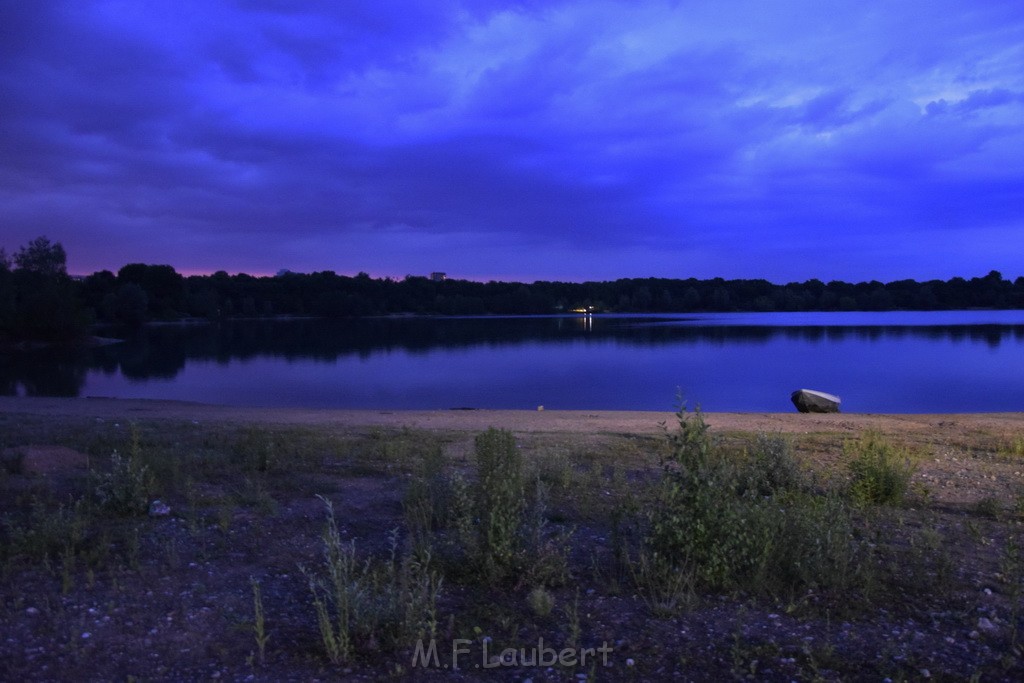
(158, 508)
(925, 673)
(985, 625)
(32, 611)
(86, 635)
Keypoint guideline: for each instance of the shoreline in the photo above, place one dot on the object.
(932, 425)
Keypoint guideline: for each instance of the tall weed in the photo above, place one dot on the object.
(499, 499)
(373, 604)
(880, 472)
(124, 490)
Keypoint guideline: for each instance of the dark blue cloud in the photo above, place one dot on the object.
(547, 140)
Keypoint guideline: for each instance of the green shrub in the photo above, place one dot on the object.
(428, 500)
(771, 467)
(499, 500)
(124, 490)
(743, 522)
(379, 604)
(880, 472)
(488, 528)
(45, 533)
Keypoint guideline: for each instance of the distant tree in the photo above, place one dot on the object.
(163, 286)
(94, 290)
(127, 305)
(41, 302)
(42, 257)
(6, 295)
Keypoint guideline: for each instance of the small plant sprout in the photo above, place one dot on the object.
(259, 625)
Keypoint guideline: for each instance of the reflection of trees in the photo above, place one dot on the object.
(49, 372)
(163, 351)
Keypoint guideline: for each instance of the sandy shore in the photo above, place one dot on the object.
(555, 421)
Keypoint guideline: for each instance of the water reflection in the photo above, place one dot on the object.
(162, 353)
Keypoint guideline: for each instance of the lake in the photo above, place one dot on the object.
(899, 362)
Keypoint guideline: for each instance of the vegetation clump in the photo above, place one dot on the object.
(880, 472)
(492, 525)
(371, 604)
(124, 490)
(744, 522)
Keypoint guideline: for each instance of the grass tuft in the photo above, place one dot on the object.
(880, 472)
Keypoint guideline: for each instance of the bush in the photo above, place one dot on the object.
(880, 472)
(376, 604)
(428, 500)
(499, 500)
(771, 467)
(124, 490)
(490, 528)
(744, 522)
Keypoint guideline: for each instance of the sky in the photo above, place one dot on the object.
(531, 140)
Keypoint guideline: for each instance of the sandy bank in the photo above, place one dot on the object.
(557, 421)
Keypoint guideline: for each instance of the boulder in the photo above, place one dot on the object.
(810, 401)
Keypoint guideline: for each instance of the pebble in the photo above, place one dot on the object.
(986, 625)
(32, 611)
(158, 508)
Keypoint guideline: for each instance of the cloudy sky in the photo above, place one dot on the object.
(568, 140)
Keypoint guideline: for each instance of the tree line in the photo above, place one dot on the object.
(40, 301)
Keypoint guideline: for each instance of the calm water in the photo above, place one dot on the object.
(961, 361)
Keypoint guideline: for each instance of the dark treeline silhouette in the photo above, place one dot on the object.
(140, 292)
(39, 301)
